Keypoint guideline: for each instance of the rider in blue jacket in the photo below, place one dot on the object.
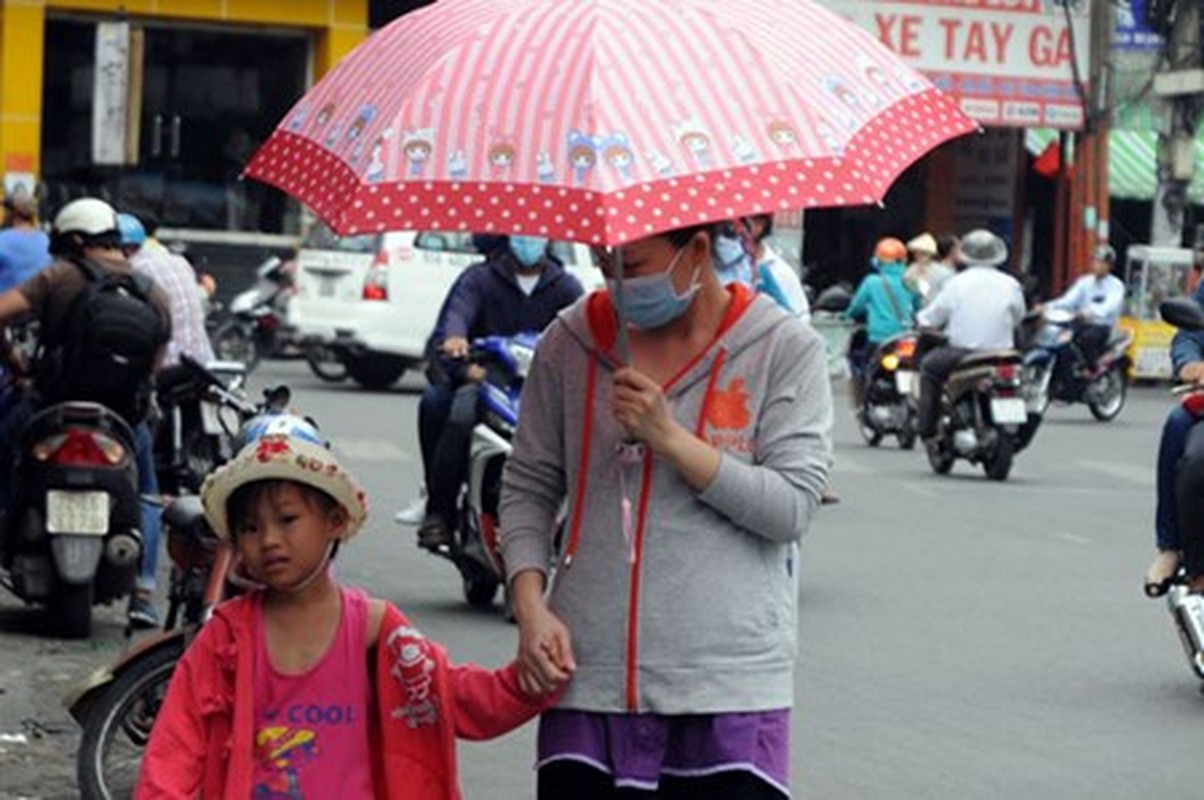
(1180, 464)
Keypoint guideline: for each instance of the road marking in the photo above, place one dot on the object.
(1073, 538)
(1131, 473)
(369, 450)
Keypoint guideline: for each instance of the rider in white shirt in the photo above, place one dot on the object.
(979, 309)
(1097, 299)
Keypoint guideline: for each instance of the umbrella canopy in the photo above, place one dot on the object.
(603, 121)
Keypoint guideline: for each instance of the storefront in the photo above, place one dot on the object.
(157, 104)
(1011, 65)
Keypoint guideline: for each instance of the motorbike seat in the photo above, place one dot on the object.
(186, 514)
(988, 358)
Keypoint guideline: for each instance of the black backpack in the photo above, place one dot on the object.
(106, 346)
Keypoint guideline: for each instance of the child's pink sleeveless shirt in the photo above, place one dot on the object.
(311, 729)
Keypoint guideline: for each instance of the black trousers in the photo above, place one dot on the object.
(1092, 341)
(1189, 497)
(934, 371)
(449, 463)
(569, 780)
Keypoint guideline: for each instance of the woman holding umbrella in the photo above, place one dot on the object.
(691, 469)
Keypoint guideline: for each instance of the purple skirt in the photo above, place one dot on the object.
(637, 749)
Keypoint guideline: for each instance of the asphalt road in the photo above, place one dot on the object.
(960, 639)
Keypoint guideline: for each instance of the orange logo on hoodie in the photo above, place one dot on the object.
(728, 408)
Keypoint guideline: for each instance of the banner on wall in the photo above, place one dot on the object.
(1009, 62)
(984, 181)
(111, 93)
(1132, 33)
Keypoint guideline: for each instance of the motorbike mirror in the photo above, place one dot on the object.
(1183, 312)
(278, 397)
(833, 300)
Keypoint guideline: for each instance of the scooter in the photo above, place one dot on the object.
(984, 416)
(72, 537)
(1054, 369)
(475, 551)
(888, 391)
(256, 323)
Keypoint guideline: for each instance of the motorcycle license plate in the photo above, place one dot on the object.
(77, 512)
(905, 381)
(1009, 411)
(211, 421)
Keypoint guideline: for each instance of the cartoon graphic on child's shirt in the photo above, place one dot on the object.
(414, 671)
(418, 147)
(693, 136)
(283, 753)
(616, 151)
(583, 155)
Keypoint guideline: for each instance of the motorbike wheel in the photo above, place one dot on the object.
(117, 725)
(232, 342)
(1033, 378)
(872, 436)
(376, 371)
(480, 587)
(324, 362)
(1108, 401)
(907, 436)
(71, 610)
(999, 464)
(939, 458)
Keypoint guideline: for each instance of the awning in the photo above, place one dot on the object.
(1132, 162)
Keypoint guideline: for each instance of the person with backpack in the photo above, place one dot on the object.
(104, 332)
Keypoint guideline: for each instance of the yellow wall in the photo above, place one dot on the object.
(339, 25)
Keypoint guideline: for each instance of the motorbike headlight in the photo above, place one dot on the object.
(523, 356)
(890, 362)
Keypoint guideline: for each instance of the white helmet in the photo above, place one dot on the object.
(86, 216)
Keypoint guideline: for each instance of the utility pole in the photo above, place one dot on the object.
(1181, 88)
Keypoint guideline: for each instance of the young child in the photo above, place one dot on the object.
(304, 688)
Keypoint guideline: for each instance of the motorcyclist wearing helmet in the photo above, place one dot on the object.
(979, 309)
(883, 302)
(926, 274)
(87, 229)
(1096, 300)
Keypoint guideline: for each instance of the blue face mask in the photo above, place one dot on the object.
(529, 250)
(731, 260)
(651, 301)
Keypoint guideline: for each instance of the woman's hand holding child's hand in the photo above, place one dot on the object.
(545, 652)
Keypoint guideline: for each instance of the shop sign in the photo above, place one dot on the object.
(984, 181)
(1009, 62)
(111, 93)
(1132, 33)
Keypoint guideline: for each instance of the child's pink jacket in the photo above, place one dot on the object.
(202, 745)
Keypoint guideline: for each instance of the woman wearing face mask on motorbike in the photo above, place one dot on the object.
(690, 470)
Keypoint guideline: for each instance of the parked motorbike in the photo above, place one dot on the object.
(255, 324)
(71, 537)
(475, 551)
(116, 706)
(1056, 371)
(984, 417)
(888, 392)
(201, 407)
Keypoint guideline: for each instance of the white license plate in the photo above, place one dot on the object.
(905, 381)
(211, 422)
(77, 512)
(1008, 411)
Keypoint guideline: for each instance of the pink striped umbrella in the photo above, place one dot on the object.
(603, 121)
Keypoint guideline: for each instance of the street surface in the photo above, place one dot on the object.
(960, 639)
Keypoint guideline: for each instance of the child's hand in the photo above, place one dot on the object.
(545, 652)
